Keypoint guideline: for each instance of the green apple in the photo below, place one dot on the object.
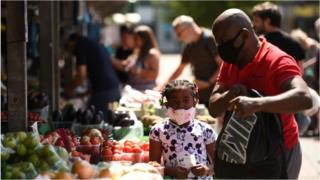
(34, 159)
(28, 169)
(30, 151)
(17, 174)
(10, 142)
(21, 150)
(53, 159)
(63, 153)
(21, 136)
(5, 155)
(31, 141)
(44, 166)
(48, 150)
(63, 167)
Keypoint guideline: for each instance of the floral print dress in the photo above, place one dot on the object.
(181, 143)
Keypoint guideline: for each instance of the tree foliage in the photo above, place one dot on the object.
(204, 12)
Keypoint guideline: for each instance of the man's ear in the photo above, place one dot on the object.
(245, 33)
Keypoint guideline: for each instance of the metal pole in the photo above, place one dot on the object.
(56, 52)
(17, 36)
(46, 43)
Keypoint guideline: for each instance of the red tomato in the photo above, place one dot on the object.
(145, 157)
(127, 149)
(145, 146)
(136, 150)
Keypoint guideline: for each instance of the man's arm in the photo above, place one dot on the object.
(178, 72)
(221, 96)
(117, 64)
(212, 80)
(295, 97)
(80, 77)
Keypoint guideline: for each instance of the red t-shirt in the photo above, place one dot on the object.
(269, 69)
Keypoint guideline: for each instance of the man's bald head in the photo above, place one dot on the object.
(235, 37)
(232, 18)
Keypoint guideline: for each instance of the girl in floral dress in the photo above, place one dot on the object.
(185, 144)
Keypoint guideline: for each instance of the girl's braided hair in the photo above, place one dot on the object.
(178, 84)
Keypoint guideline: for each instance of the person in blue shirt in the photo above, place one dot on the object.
(94, 63)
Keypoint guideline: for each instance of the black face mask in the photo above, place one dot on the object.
(228, 52)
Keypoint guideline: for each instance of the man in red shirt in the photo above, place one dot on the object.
(253, 63)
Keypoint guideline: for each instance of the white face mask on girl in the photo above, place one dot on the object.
(181, 116)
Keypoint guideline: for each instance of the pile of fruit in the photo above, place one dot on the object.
(125, 151)
(61, 137)
(113, 170)
(90, 144)
(23, 156)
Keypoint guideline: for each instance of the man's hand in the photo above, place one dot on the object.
(244, 106)
(238, 90)
(202, 84)
(200, 170)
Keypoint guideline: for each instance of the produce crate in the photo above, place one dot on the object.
(77, 128)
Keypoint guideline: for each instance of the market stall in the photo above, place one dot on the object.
(84, 144)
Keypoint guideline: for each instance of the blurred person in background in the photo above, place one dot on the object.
(143, 65)
(94, 63)
(267, 21)
(200, 52)
(312, 48)
(124, 51)
(311, 76)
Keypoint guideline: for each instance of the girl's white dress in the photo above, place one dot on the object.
(184, 146)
